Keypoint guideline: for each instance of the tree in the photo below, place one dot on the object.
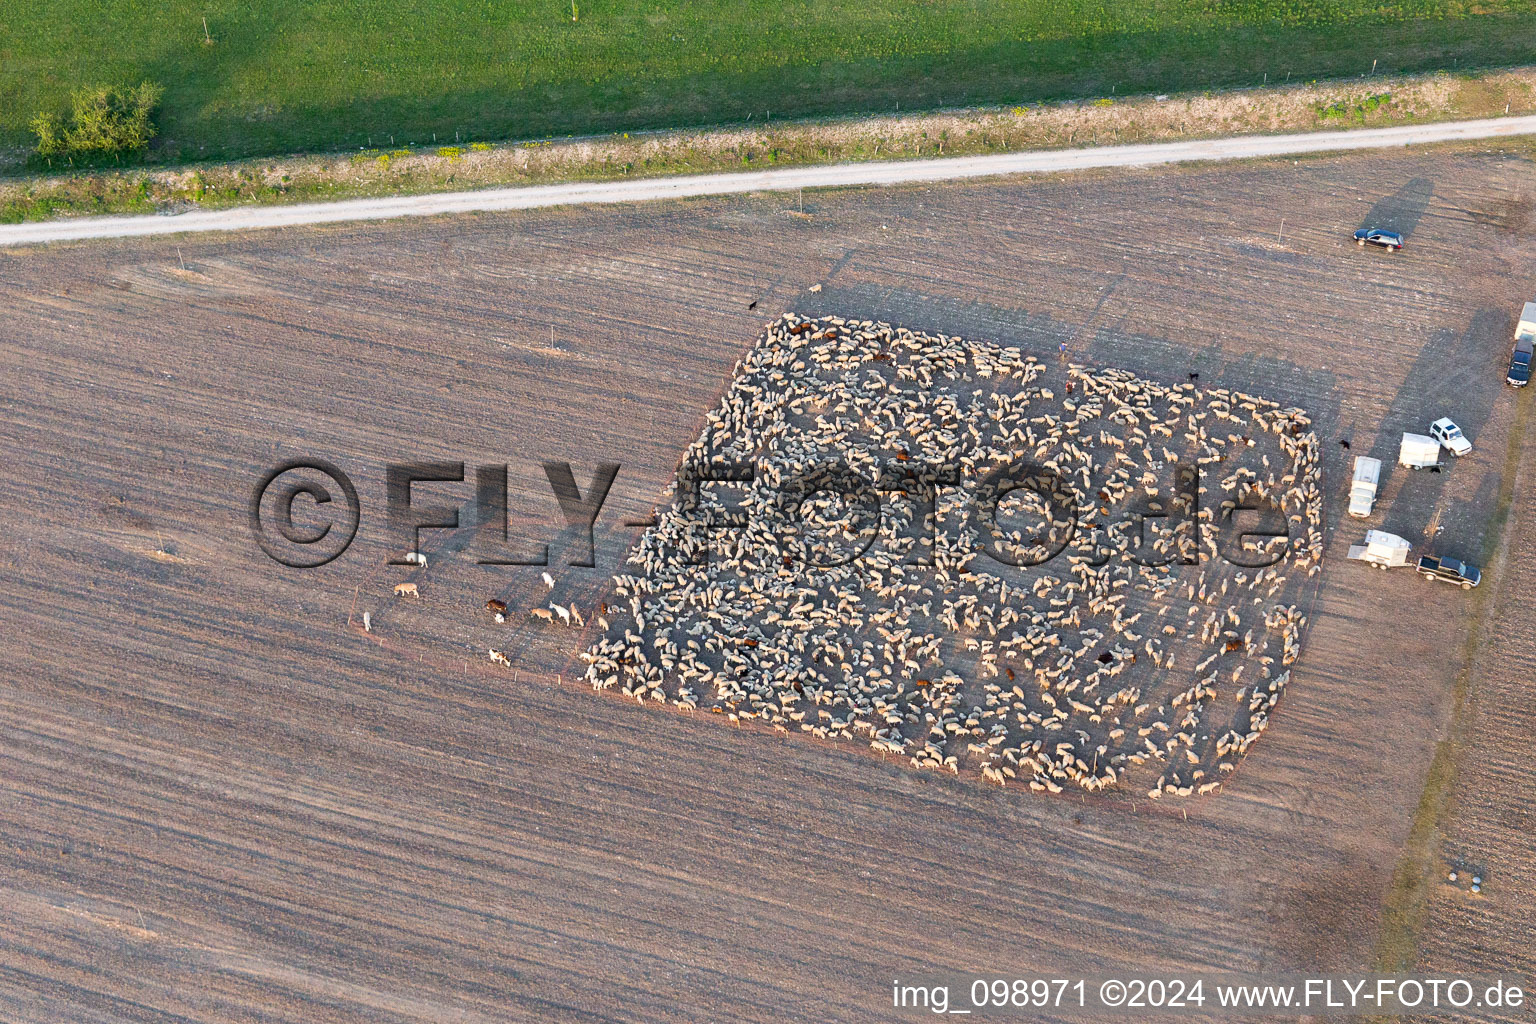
(104, 121)
(49, 129)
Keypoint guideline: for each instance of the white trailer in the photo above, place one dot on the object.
(1525, 330)
(1381, 549)
(1418, 451)
(1362, 491)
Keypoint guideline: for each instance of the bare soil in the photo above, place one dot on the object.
(224, 800)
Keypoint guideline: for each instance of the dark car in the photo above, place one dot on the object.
(1388, 240)
(1450, 570)
(1520, 364)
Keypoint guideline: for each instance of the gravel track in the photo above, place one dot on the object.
(904, 172)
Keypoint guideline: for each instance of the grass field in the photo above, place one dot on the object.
(281, 78)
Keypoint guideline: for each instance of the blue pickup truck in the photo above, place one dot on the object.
(1520, 364)
(1525, 335)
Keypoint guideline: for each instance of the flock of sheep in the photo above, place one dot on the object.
(978, 561)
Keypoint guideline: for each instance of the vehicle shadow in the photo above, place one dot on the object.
(1449, 377)
(1402, 210)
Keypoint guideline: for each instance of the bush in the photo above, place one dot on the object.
(50, 135)
(104, 121)
(1342, 110)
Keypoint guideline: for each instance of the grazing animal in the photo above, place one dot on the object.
(499, 658)
(765, 647)
(406, 590)
(542, 613)
(496, 607)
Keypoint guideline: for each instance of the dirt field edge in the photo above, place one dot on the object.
(1406, 904)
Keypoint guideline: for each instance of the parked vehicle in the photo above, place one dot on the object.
(1362, 491)
(1418, 451)
(1525, 341)
(1450, 570)
(1381, 549)
(1388, 240)
(1450, 436)
(1520, 364)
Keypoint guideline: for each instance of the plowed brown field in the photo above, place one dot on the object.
(221, 799)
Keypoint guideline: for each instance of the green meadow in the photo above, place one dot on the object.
(266, 78)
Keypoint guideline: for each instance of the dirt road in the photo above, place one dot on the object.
(790, 179)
